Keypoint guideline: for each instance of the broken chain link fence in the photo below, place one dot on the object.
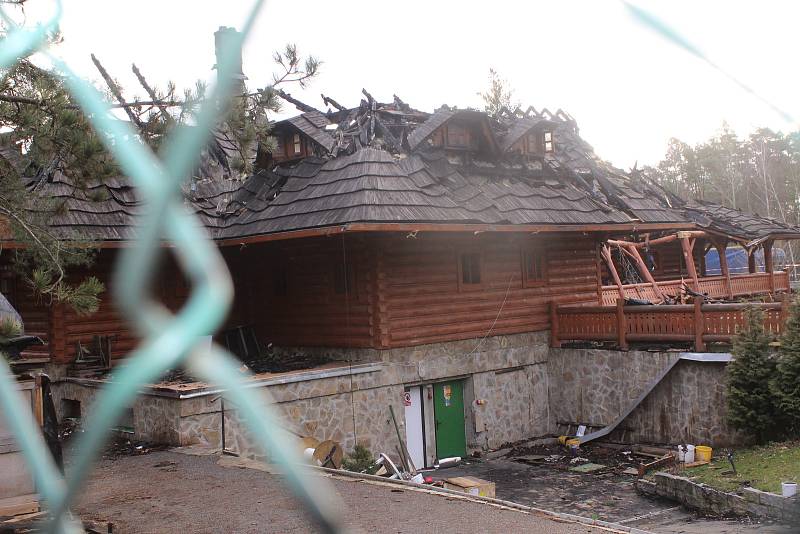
(169, 340)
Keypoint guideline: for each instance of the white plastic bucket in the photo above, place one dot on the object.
(681, 453)
(789, 489)
(689, 458)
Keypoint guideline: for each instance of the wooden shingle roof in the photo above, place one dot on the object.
(369, 175)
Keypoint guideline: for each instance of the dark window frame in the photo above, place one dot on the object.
(548, 145)
(297, 144)
(536, 277)
(470, 283)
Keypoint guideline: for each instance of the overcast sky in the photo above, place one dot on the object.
(629, 89)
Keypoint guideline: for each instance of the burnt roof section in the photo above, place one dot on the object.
(312, 124)
(520, 127)
(736, 223)
(372, 186)
(426, 129)
(376, 168)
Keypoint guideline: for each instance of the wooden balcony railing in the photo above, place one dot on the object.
(696, 324)
(713, 286)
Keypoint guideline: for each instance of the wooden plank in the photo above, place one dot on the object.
(22, 504)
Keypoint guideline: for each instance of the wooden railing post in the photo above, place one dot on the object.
(555, 342)
(699, 325)
(769, 266)
(622, 326)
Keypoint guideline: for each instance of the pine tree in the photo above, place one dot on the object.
(751, 405)
(786, 381)
(498, 96)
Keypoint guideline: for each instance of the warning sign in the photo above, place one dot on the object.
(448, 394)
(407, 398)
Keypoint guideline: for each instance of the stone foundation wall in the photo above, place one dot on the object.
(525, 390)
(595, 386)
(713, 501)
(508, 373)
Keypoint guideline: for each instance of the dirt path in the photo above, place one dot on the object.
(172, 492)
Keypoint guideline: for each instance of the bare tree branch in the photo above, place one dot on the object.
(115, 90)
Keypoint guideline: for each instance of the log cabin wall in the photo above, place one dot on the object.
(427, 299)
(62, 328)
(33, 310)
(362, 290)
(308, 292)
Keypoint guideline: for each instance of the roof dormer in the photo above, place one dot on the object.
(459, 130)
(529, 137)
(300, 137)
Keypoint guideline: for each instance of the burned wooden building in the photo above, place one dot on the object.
(424, 260)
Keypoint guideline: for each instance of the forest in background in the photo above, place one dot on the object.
(757, 174)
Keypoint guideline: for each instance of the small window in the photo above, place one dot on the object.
(296, 143)
(534, 266)
(458, 136)
(471, 268)
(548, 141)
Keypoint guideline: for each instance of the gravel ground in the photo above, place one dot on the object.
(171, 492)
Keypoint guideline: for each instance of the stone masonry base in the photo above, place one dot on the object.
(525, 389)
(713, 501)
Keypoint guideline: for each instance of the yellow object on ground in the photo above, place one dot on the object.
(702, 453)
(471, 485)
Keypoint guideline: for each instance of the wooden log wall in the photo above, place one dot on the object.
(398, 291)
(425, 302)
(300, 295)
(34, 312)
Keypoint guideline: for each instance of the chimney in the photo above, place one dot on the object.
(222, 37)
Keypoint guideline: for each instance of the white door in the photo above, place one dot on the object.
(415, 433)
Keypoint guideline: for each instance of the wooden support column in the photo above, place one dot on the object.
(613, 270)
(622, 325)
(723, 265)
(769, 265)
(646, 274)
(699, 325)
(751, 260)
(687, 244)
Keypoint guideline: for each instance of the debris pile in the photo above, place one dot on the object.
(599, 458)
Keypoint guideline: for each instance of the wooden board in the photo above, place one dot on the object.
(21, 504)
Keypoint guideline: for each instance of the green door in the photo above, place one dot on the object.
(448, 411)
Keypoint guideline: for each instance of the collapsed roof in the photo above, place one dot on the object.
(381, 163)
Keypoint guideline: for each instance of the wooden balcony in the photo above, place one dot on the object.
(712, 286)
(690, 324)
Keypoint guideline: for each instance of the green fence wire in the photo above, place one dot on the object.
(169, 339)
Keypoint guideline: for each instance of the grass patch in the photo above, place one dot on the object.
(763, 468)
